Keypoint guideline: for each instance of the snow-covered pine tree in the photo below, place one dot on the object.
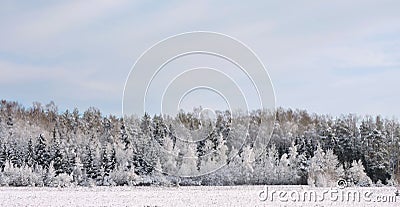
(59, 163)
(248, 157)
(42, 155)
(316, 175)
(98, 170)
(294, 165)
(59, 155)
(376, 151)
(29, 156)
(392, 129)
(14, 155)
(207, 159)
(144, 154)
(3, 156)
(159, 129)
(49, 177)
(189, 161)
(78, 177)
(377, 158)
(345, 141)
(104, 162)
(334, 170)
(222, 151)
(88, 162)
(124, 137)
(108, 162)
(168, 160)
(266, 167)
(113, 160)
(357, 176)
(325, 169)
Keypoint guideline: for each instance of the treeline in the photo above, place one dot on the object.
(41, 147)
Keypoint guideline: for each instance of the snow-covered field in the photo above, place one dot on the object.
(198, 196)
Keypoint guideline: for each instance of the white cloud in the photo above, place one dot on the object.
(305, 45)
(14, 73)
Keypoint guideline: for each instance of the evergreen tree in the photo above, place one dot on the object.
(78, 177)
(105, 161)
(356, 175)
(59, 161)
(108, 160)
(377, 157)
(49, 177)
(29, 157)
(189, 162)
(124, 137)
(113, 160)
(42, 156)
(89, 163)
(168, 160)
(159, 129)
(325, 169)
(207, 158)
(143, 155)
(344, 142)
(13, 155)
(3, 156)
(294, 165)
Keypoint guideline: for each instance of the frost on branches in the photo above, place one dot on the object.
(41, 147)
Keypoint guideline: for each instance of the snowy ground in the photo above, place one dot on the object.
(199, 196)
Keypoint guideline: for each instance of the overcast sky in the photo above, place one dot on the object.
(328, 57)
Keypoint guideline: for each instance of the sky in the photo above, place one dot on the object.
(328, 57)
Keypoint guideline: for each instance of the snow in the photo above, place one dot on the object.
(185, 196)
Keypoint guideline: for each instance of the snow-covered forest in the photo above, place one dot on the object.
(41, 147)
